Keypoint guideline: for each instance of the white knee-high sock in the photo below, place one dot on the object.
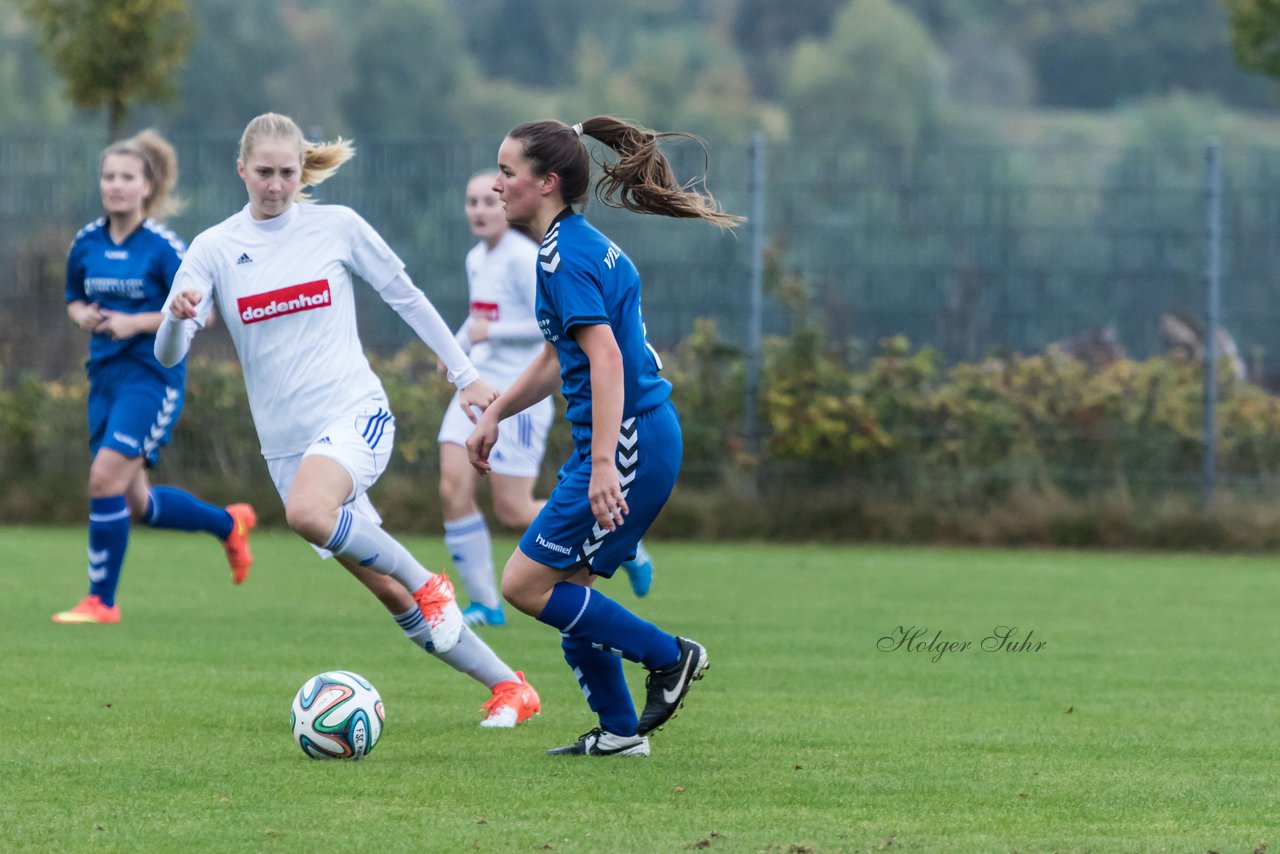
(471, 548)
(471, 656)
(368, 545)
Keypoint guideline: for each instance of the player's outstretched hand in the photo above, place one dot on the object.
(479, 394)
(481, 442)
(184, 304)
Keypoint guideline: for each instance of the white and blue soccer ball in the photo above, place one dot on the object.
(337, 715)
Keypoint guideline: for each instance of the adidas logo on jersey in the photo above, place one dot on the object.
(244, 259)
(324, 440)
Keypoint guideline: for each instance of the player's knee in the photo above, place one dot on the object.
(510, 592)
(105, 481)
(515, 593)
(312, 523)
(448, 486)
(513, 512)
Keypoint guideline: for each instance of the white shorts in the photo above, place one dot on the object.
(522, 438)
(361, 442)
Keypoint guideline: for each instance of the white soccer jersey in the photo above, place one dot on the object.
(503, 286)
(284, 288)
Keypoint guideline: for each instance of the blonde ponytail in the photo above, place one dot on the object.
(322, 159)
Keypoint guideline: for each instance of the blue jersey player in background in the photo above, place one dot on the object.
(118, 275)
(626, 433)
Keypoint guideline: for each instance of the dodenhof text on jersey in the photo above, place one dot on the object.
(290, 300)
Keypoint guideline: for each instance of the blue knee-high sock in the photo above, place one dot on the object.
(170, 507)
(600, 676)
(108, 539)
(581, 612)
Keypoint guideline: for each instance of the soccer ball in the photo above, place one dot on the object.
(337, 715)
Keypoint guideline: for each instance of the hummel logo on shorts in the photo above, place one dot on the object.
(244, 259)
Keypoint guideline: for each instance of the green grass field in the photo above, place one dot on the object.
(1146, 722)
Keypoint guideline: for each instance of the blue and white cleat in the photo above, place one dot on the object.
(478, 615)
(639, 571)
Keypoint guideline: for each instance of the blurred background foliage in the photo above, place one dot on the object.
(893, 70)
(956, 188)
(1039, 449)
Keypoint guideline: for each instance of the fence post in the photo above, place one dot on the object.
(1213, 270)
(756, 320)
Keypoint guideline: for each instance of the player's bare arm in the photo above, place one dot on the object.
(537, 381)
(605, 492)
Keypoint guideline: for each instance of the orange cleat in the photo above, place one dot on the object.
(237, 542)
(440, 610)
(512, 703)
(89, 610)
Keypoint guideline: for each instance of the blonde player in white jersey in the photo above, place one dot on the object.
(501, 335)
(280, 273)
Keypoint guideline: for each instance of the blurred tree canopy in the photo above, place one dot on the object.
(395, 95)
(114, 52)
(877, 75)
(1255, 34)
(1097, 54)
(890, 68)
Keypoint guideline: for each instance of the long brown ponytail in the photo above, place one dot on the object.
(640, 179)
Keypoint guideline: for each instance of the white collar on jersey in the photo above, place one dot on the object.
(276, 222)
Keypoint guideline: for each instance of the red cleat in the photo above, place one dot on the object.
(89, 610)
(237, 542)
(512, 703)
(440, 610)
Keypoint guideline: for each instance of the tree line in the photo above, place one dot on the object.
(888, 70)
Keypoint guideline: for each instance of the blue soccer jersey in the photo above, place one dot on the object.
(583, 279)
(131, 277)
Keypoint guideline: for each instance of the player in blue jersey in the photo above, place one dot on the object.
(501, 336)
(118, 275)
(626, 433)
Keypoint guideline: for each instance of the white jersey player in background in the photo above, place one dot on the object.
(502, 336)
(280, 273)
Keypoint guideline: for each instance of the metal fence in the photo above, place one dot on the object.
(411, 191)
(968, 249)
(972, 250)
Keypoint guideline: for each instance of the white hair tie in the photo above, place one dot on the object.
(577, 129)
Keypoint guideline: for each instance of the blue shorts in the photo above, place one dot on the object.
(131, 410)
(565, 534)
